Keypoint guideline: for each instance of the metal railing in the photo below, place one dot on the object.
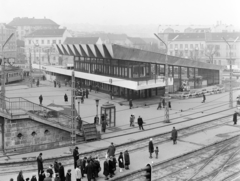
(20, 106)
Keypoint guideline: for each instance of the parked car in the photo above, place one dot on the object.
(204, 91)
(185, 95)
(193, 93)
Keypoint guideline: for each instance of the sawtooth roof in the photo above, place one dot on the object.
(81, 40)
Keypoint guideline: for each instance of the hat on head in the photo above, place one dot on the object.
(76, 147)
(150, 139)
(69, 170)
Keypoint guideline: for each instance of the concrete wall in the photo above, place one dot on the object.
(40, 141)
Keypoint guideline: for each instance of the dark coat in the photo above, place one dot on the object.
(111, 166)
(235, 117)
(174, 134)
(75, 155)
(130, 103)
(41, 177)
(150, 147)
(40, 163)
(105, 168)
(65, 98)
(56, 167)
(104, 125)
(50, 171)
(33, 178)
(20, 178)
(62, 173)
(120, 161)
(140, 121)
(68, 177)
(126, 158)
(40, 98)
(90, 170)
(111, 150)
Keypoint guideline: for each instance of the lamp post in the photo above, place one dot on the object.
(3, 72)
(73, 135)
(230, 63)
(166, 96)
(97, 103)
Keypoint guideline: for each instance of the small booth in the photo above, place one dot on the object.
(109, 111)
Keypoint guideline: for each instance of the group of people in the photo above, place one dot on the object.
(162, 104)
(139, 121)
(57, 83)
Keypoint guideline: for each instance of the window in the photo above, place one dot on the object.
(29, 42)
(59, 41)
(54, 41)
(181, 46)
(176, 45)
(48, 41)
(186, 45)
(191, 46)
(196, 46)
(42, 41)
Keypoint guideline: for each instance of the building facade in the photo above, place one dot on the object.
(39, 45)
(10, 48)
(26, 26)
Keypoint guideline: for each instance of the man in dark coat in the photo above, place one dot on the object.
(126, 159)
(174, 135)
(75, 156)
(104, 125)
(163, 102)
(90, 87)
(87, 93)
(111, 166)
(90, 170)
(121, 161)
(159, 105)
(61, 172)
(140, 123)
(106, 169)
(204, 98)
(69, 175)
(41, 176)
(65, 98)
(55, 83)
(235, 118)
(56, 167)
(130, 104)
(111, 150)
(79, 120)
(40, 163)
(40, 99)
(150, 147)
(20, 176)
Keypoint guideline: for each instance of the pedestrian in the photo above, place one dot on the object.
(79, 120)
(169, 104)
(20, 176)
(111, 166)
(41, 175)
(150, 147)
(96, 119)
(204, 98)
(38, 82)
(59, 84)
(55, 83)
(174, 135)
(97, 167)
(68, 175)
(87, 93)
(40, 163)
(163, 102)
(106, 169)
(75, 156)
(56, 167)
(90, 87)
(78, 174)
(82, 99)
(89, 170)
(120, 162)
(57, 178)
(156, 152)
(114, 164)
(126, 160)
(140, 123)
(61, 172)
(65, 98)
(235, 118)
(130, 104)
(50, 171)
(104, 125)
(159, 105)
(34, 178)
(111, 150)
(40, 99)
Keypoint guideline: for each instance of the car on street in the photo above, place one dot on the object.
(204, 91)
(185, 95)
(193, 93)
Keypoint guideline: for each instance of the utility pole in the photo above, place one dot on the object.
(73, 115)
(30, 67)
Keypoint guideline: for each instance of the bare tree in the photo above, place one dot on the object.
(210, 51)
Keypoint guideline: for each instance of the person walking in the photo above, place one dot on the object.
(169, 104)
(65, 98)
(204, 98)
(87, 93)
(159, 105)
(163, 102)
(61, 172)
(140, 123)
(132, 119)
(40, 163)
(68, 175)
(104, 125)
(126, 160)
(78, 174)
(111, 150)
(106, 169)
(40, 99)
(79, 120)
(90, 87)
(20, 176)
(82, 99)
(174, 135)
(235, 118)
(150, 147)
(120, 162)
(130, 104)
(111, 166)
(75, 156)
(156, 152)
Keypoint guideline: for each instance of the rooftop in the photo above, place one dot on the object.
(7, 26)
(81, 40)
(32, 22)
(47, 33)
(137, 40)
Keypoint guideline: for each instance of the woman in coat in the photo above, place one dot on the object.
(120, 161)
(174, 135)
(150, 147)
(68, 175)
(126, 159)
(106, 169)
(20, 176)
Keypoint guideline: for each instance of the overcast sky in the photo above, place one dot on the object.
(124, 12)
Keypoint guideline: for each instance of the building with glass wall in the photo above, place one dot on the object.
(134, 73)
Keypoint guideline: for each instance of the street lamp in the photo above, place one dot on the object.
(166, 78)
(230, 63)
(3, 72)
(97, 103)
